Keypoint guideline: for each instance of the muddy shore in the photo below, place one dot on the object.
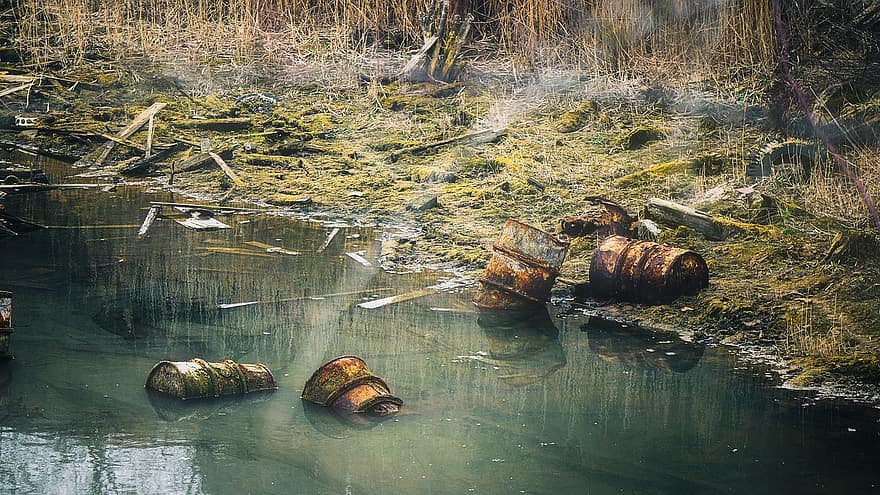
(443, 165)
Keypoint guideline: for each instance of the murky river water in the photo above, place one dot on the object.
(552, 404)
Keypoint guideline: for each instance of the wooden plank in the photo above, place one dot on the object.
(378, 303)
(272, 249)
(304, 298)
(151, 216)
(205, 207)
(15, 89)
(225, 168)
(198, 223)
(675, 214)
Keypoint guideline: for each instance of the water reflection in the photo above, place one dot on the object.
(637, 347)
(502, 403)
(525, 346)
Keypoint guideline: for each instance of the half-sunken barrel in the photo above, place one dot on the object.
(198, 378)
(347, 385)
(645, 272)
(523, 267)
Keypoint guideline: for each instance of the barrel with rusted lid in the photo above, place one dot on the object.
(523, 268)
(198, 378)
(5, 323)
(347, 385)
(645, 272)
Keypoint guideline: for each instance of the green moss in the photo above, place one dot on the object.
(640, 137)
(576, 119)
(817, 370)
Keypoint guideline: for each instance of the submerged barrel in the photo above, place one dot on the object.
(198, 378)
(524, 266)
(348, 386)
(5, 323)
(645, 272)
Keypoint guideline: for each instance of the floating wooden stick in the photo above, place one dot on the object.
(151, 217)
(330, 238)
(360, 259)
(302, 298)
(378, 303)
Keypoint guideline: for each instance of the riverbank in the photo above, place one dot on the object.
(793, 274)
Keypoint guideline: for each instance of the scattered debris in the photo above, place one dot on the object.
(97, 157)
(6, 329)
(524, 265)
(792, 160)
(645, 272)
(226, 124)
(347, 385)
(199, 379)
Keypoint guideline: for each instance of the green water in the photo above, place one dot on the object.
(551, 404)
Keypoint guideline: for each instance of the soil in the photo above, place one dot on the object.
(796, 283)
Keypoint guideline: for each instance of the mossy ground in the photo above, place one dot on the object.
(346, 148)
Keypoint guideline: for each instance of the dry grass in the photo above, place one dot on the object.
(617, 36)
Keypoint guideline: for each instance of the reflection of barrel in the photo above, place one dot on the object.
(645, 272)
(523, 268)
(523, 347)
(348, 386)
(199, 378)
(169, 408)
(637, 347)
(5, 322)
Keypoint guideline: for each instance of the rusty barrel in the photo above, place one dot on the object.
(198, 378)
(5, 322)
(524, 265)
(348, 386)
(645, 272)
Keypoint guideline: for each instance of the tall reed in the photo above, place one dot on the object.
(610, 35)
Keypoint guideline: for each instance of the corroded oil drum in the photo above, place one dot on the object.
(348, 386)
(198, 378)
(5, 322)
(523, 268)
(645, 272)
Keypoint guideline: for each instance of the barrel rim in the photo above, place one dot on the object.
(553, 237)
(525, 258)
(155, 369)
(368, 404)
(310, 383)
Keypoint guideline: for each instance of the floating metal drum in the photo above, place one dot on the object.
(348, 386)
(198, 378)
(645, 272)
(5, 322)
(524, 266)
